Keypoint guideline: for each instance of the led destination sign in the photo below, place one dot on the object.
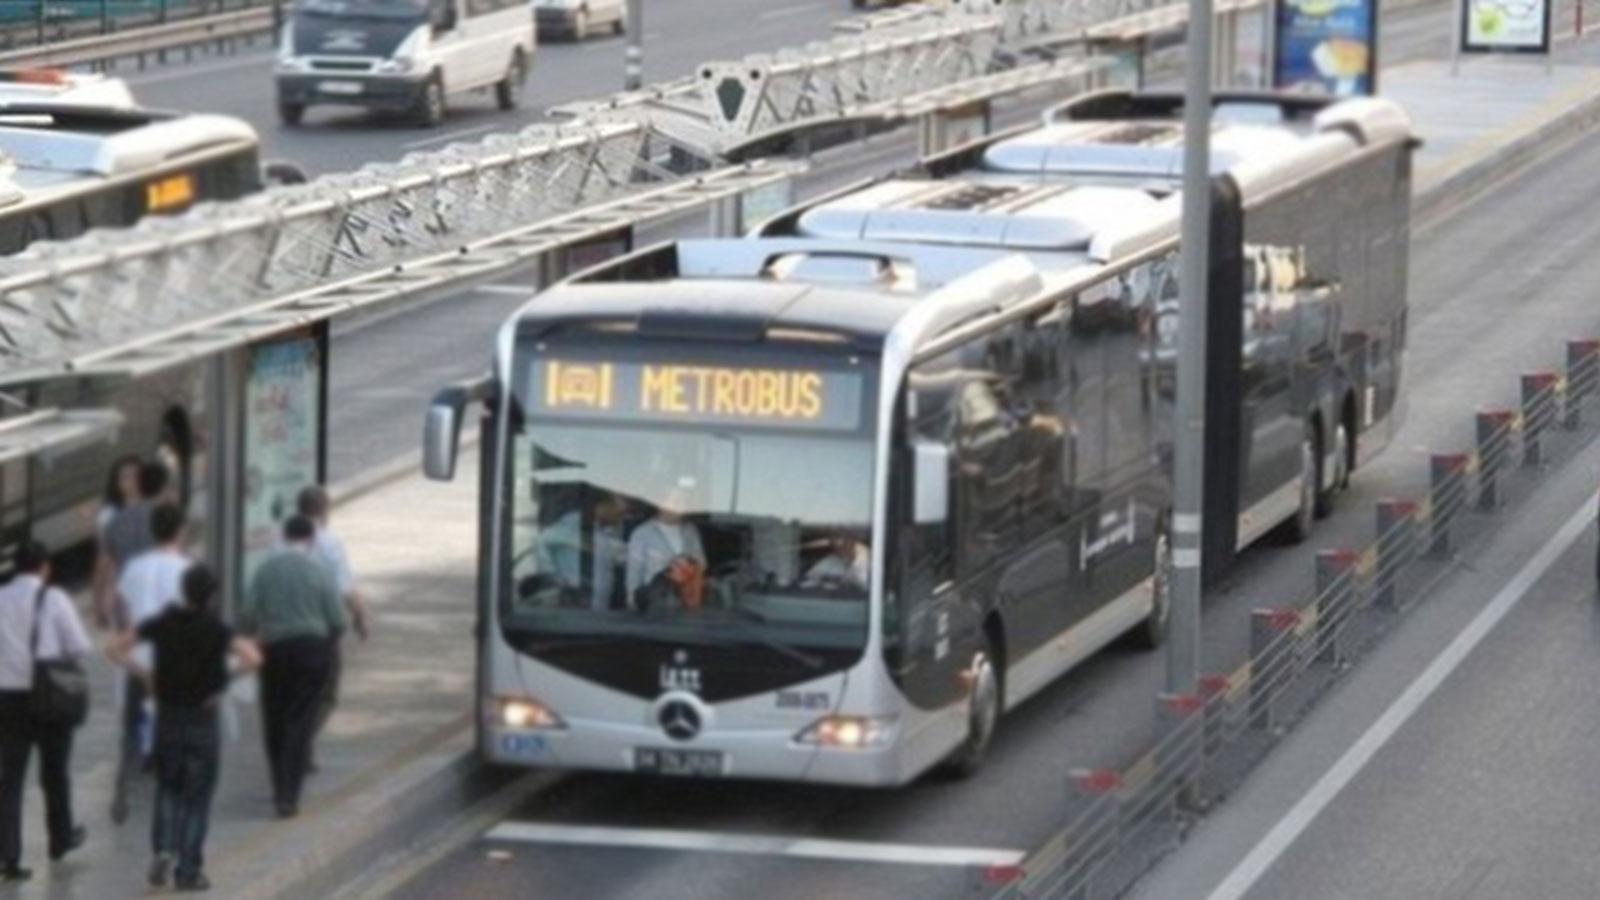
(683, 392)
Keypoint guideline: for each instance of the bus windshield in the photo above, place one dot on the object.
(716, 536)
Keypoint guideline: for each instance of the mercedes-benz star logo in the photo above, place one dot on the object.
(679, 720)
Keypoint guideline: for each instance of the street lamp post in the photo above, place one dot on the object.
(1183, 649)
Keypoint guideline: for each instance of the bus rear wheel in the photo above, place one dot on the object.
(983, 713)
(1340, 456)
(1298, 527)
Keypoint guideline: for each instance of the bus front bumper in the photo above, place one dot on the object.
(762, 755)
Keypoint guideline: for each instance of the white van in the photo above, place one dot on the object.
(402, 55)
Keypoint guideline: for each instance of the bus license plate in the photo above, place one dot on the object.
(340, 87)
(689, 763)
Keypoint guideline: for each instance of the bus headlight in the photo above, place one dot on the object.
(526, 714)
(848, 732)
(396, 65)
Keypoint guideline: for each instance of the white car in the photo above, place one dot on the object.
(577, 19)
(402, 55)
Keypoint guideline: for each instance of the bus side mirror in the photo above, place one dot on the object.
(441, 428)
(930, 483)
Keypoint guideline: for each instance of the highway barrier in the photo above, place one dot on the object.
(60, 33)
(1121, 821)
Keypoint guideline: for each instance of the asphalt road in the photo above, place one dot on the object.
(1464, 290)
(1489, 790)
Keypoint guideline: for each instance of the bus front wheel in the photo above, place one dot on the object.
(983, 713)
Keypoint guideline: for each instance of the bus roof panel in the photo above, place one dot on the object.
(977, 213)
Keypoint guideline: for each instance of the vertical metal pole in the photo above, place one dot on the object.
(1183, 651)
(225, 474)
(633, 68)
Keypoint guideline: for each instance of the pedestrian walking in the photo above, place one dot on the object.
(190, 674)
(314, 504)
(122, 488)
(37, 624)
(150, 582)
(126, 534)
(292, 608)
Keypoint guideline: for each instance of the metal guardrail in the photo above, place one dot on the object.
(1122, 820)
(204, 26)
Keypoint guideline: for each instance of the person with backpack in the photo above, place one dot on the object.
(192, 648)
(40, 633)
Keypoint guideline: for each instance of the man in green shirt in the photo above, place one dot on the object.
(292, 607)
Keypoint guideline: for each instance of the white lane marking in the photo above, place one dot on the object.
(509, 290)
(754, 844)
(191, 70)
(448, 137)
(786, 12)
(1300, 816)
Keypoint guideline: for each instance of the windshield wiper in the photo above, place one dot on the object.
(744, 635)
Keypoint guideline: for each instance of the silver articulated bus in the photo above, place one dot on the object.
(822, 503)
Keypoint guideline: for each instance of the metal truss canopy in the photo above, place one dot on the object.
(442, 273)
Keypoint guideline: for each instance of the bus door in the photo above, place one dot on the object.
(1272, 426)
(932, 615)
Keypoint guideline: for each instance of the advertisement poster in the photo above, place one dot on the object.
(1518, 26)
(1327, 46)
(282, 444)
(761, 203)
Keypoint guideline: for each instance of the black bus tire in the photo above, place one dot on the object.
(1297, 528)
(1340, 451)
(291, 114)
(984, 706)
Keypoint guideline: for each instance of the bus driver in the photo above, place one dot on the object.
(847, 565)
(667, 549)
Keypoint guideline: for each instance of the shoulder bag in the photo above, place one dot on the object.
(60, 693)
